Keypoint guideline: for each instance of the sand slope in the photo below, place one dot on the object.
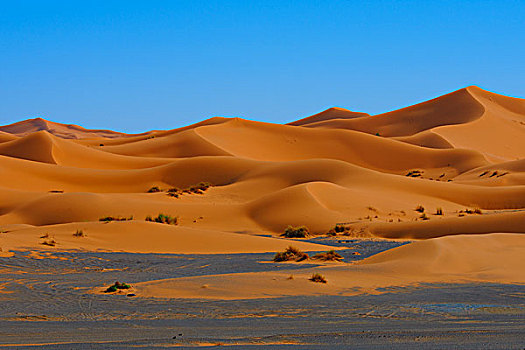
(458, 259)
(460, 151)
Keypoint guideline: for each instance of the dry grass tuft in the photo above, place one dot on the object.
(318, 278)
(330, 255)
(290, 254)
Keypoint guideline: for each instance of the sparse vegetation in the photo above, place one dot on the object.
(116, 286)
(439, 211)
(420, 209)
(79, 233)
(163, 219)
(472, 211)
(296, 232)
(115, 218)
(330, 255)
(290, 254)
(414, 173)
(199, 188)
(154, 189)
(424, 217)
(49, 242)
(317, 278)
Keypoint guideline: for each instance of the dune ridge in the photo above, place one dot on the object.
(457, 153)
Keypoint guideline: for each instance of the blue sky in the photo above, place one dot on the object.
(139, 65)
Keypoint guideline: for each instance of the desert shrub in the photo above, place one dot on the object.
(296, 232)
(331, 233)
(115, 218)
(439, 211)
(330, 255)
(473, 211)
(424, 217)
(79, 233)
(116, 286)
(420, 209)
(163, 219)
(50, 242)
(199, 188)
(290, 254)
(317, 278)
(154, 189)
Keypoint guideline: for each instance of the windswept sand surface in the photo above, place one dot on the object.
(462, 153)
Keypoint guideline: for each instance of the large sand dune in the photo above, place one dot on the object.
(456, 153)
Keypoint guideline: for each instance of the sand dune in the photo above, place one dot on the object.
(69, 131)
(457, 152)
(458, 259)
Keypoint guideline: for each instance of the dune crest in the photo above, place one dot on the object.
(458, 159)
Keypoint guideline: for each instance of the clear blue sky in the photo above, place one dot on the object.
(138, 65)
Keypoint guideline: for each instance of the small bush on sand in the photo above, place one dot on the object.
(290, 254)
(330, 255)
(473, 211)
(317, 278)
(199, 188)
(154, 189)
(49, 242)
(163, 219)
(115, 218)
(424, 217)
(79, 233)
(296, 232)
(439, 211)
(420, 209)
(117, 286)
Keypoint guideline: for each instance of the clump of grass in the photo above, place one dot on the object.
(115, 218)
(473, 211)
(330, 255)
(420, 209)
(116, 286)
(290, 254)
(79, 233)
(424, 217)
(163, 219)
(439, 211)
(296, 232)
(50, 242)
(317, 278)
(154, 189)
(339, 228)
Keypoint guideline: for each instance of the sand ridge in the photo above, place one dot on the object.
(337, 166)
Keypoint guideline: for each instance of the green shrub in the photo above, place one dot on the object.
(330, 255)
(116, 286)
(296, 232)
(290, 254)
(317, 278)
(163, 219)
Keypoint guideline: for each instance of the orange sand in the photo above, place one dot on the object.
(463, 150)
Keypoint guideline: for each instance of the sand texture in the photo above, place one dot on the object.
(451, 166)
